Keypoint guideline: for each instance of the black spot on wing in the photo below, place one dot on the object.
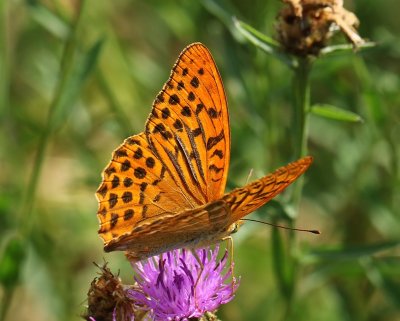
(113, 200)
(174, 99)
(125, 166)
(195, 82)
(138, 153)
(214, 168)
(120, 153)
(110, 170)
(128, 181)
(128, 214)
(212, 141)
(114, 220)
(186, 111)
(218, 153)
(103, 190)
(127, 197)
(115, 182)
(191, 96)
(139, 172)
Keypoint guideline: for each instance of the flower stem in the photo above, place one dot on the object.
(301, 88)
(301, 105)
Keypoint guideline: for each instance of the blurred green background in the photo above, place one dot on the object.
(73, 86)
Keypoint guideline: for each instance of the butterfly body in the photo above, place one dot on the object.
(164, 188)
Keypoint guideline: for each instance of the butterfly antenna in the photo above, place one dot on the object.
(282, 226)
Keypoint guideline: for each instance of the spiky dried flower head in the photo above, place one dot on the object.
(107, 298)
(305, 26)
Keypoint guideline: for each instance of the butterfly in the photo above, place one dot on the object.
(164, 188)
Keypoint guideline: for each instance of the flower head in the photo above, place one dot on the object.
(181, 284)
(107, 299)
(305, 26)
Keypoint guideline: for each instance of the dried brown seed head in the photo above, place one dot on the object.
(305, 26)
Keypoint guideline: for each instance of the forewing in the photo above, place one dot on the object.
(243, 201)
(188, 128)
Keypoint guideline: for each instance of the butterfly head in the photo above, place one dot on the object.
(235, 226)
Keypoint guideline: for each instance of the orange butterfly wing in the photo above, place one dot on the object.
(163, 188)
(181, 160)
(188, 128)
(247, 199)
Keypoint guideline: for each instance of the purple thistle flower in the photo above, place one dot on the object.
(175, 286)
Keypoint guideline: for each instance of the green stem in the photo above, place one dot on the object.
(26, 217)
(301, 88)
(4, 110)
(4, 60)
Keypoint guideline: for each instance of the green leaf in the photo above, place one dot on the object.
(390, 287)
(50, 21)
(345, 48)
(246, 29)
(223, 10)
(265, 43)
(352, 253)
(11, 262)
(336, 113)
(74, 82)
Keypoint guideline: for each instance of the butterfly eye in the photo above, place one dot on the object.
(235, 226)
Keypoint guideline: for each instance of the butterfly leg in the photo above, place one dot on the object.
(229, 240)
(196, 256)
